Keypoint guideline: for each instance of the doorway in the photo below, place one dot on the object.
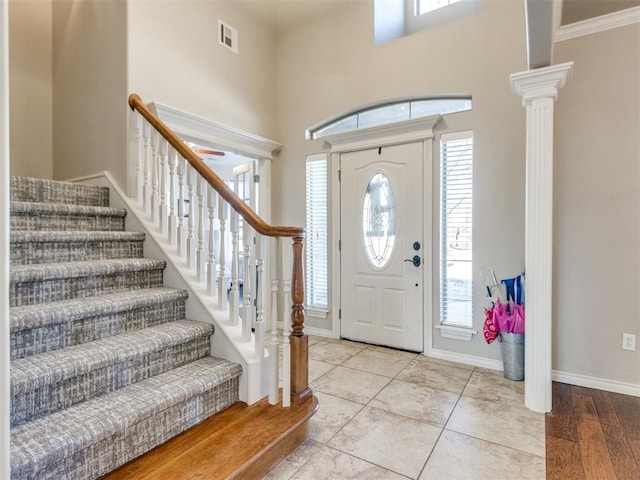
(382, 249)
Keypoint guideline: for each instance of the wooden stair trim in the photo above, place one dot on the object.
(241, 442)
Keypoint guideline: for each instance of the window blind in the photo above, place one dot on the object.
(317, 281)
(456, 231)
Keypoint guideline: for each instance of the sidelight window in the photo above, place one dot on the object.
(317, 259)
(456, 228)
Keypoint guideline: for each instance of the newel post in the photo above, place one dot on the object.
(300, 391)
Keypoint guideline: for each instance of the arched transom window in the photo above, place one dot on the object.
(387, 112)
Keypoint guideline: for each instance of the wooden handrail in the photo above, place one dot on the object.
(251, 217)
(299, 341)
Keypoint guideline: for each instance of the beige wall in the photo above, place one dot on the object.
(175, 59)
(331, 66)
(89, 88)
(597, 206)
(31, 93)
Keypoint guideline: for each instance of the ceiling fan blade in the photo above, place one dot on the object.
(204, 151)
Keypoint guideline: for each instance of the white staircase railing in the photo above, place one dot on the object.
(198, 215)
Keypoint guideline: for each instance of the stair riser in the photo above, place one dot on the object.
(59, 222)
(29, 253)
(30, 293)
(57, 396)
(54, 337)
(47, 191)
(110, 453)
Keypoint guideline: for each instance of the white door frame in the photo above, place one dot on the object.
(409, 131)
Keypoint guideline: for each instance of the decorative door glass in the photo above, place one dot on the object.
(379, 220)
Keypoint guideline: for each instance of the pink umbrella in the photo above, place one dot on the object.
(518, 324)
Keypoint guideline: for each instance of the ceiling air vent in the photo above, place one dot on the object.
(228, 36)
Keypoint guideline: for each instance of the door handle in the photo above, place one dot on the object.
(415, 260)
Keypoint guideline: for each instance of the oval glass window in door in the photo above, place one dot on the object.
(379, 220)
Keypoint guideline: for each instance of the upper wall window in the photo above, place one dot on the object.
(389, 113)
(426, 6)
(397, 18)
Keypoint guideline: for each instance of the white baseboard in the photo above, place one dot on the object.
(88, 178)
(597, 383)
(319, 332)
(472, 360)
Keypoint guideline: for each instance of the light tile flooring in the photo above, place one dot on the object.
(387, 414)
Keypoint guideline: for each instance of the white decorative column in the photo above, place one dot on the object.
(539, 90)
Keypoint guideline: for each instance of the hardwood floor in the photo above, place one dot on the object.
(242, 442)
(592, 434)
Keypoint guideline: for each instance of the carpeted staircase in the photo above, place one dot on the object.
(104, 365)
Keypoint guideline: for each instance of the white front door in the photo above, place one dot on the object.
(382, 252)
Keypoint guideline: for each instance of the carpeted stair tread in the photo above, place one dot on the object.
(93, 268)
(35, 371)
(29, 247)
(24, 236)
(67, 209)
(45, 327)
(28, 189)
(57, 216)
(45, 442)
(37, 316)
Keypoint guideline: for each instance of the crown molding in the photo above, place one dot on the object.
(195, 128)
(405, 131)
(602, 23)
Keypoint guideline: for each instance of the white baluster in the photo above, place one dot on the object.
(200, 258)
(211, 265)
(286, 310)
(222, 282)
(248, 274)
(162, 180)
(172, 221)
(286, 366)
(260, 293)
(155, 168)
(146, 168)
(191, 243)
(273, 346)
(180, 234)
(234, 297)
(135, 125)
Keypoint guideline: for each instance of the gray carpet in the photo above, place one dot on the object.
(104, 364)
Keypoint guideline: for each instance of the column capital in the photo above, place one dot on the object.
(541, 82)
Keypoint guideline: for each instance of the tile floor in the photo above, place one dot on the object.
(387, 414)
